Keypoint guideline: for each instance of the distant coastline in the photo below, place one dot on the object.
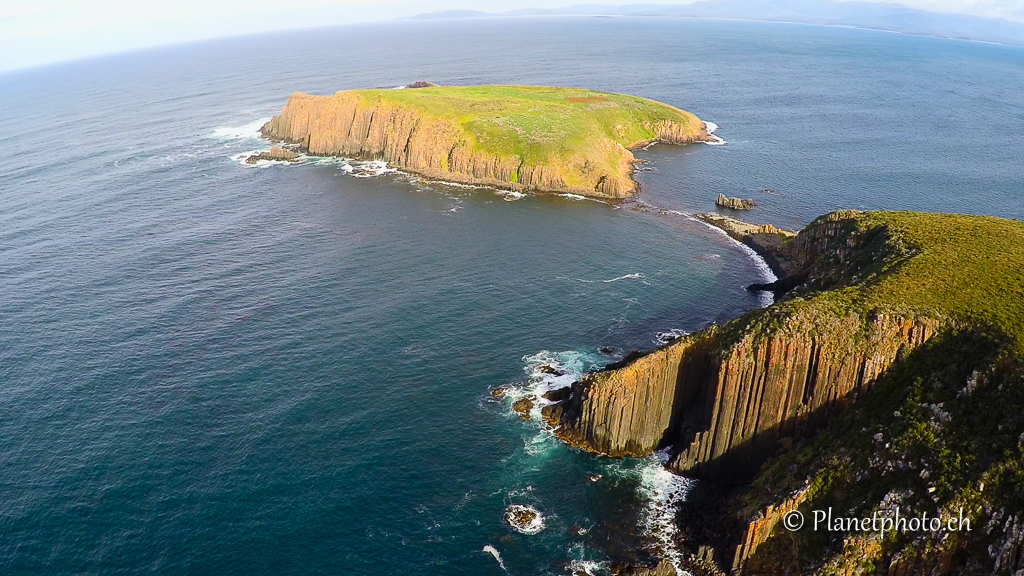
(892, 18)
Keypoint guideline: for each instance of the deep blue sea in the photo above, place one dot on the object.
(211, 368)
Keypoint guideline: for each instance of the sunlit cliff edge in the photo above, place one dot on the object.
(523, 138)
(887, 373)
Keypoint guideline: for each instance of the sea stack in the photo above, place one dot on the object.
(734, 203)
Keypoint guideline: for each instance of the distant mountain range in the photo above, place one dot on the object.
(876, 16)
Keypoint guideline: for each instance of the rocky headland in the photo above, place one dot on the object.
(522, 138)
(888, 373)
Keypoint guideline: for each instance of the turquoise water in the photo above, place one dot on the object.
(214, 368)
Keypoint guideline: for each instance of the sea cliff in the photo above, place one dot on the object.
(524, 138)
(723, 397)
(886, 372)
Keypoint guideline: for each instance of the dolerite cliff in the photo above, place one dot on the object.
(524, 138)
(723, 397)
(887, 374)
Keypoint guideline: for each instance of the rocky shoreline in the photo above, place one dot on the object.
(407, 131)
(730, 402)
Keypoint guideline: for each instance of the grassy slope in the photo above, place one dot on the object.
(540, 124)
(963, 268)
(921, 438)
(970, 268)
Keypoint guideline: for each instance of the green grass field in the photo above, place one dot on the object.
(539, 123)
(967, 269)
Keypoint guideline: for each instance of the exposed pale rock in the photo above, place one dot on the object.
(523, 407)
(765, 239)
(275, 153)
(734, 203)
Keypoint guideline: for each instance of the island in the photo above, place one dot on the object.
(521, 138)
(889, 374)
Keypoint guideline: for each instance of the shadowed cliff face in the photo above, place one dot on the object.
(721, 399)
(919, 319)
(354, 125)
(722, 405)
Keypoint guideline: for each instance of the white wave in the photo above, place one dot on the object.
(669, 335)
(247, 131)
(662, 492)
(241, 160)
(763, 269)
(371, 169)
(497, 555)
(633, 276)
(710, 128)
(344, 164)
(587, 567)
(399, 87)
(510, 195)
(463, 186)
(524, 519)
(547, 371)
(573, 196)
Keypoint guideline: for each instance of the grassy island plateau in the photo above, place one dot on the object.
(522, 138)
(888, 374)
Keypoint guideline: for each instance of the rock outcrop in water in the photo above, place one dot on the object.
(275, 153)
(520, 138)
(734, 203)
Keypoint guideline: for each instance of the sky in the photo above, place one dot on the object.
(36, 32)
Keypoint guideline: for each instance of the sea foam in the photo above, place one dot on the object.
(497, 555)
(710, 128)
(763, 269)
(663, 492)
(633, 276)
(247, 131)
(524, 519)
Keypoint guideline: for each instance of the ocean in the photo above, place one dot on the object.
(215, 368)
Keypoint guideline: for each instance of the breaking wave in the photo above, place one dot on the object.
(497, 555)
(710, 128)
(669, 335)
(510, 195)
(633, 276)
(524, 519)
(249, 131)
(763, 269)
(662, 493)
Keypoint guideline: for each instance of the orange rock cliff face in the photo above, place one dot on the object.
(349, 126)
(721, 399)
